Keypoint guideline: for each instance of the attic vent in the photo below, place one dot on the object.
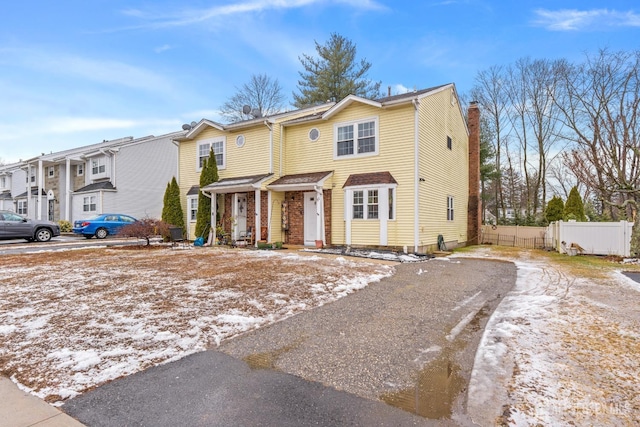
(240, 141)
(314, 134)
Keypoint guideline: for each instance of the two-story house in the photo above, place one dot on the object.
(127, 175)
(392, 172)
(13, 179)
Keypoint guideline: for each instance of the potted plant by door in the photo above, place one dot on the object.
(319, 244)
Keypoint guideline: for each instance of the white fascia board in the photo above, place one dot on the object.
(348, 101)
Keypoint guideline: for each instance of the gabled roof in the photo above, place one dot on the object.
(194, 190)
(369, 179)
(237, 184)
(273, 118)
(300, 181)
(385, 102)
(96, 186)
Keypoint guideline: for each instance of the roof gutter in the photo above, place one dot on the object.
(416, 177)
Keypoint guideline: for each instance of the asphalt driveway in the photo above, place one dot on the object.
(408, 340)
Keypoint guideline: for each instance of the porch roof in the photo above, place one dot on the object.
(238, 184)
(5, 195)
(301, 181)
(96, 186)
(369, 179)
(34, 192)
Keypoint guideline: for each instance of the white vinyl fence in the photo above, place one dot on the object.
(595, 238)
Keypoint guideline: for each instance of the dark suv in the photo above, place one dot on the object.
(14, 226)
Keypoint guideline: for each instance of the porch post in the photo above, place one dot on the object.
(67, 185)
(40, 185)
(214, 215)
(257, 224)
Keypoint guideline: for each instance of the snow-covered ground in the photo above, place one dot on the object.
(69, 323)
(562, 349)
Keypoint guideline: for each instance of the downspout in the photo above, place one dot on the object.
(416, 177)
(40, 185)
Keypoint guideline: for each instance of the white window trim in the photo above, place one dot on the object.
(381, 202)
(51, 171)
(22, 207)
(210, 142)
(355, 123)
(189, 200)
(80, 169)
(102, 161)
(451, 208)
(91, 199)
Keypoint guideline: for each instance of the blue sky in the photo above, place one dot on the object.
(75, 73)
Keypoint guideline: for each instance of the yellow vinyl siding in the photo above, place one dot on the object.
(395, 155)
(445, 171)
(275, 227)
(365, 232)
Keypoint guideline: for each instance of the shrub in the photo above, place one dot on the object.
(146, 228)
(65, 226)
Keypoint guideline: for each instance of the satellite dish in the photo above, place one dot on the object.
(186, 127)
(246, 109)
(256, 113)
(193, 124)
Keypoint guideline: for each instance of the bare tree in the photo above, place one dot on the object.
(262, 94)
(489, 92)
(599, 101)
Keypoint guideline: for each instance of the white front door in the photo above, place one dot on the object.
(310, 219)
(240, 210)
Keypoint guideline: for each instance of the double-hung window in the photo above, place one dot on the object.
(365, 204)
(193, 208)
(99, 166)
(356, 138)
(449, 208)
(51, 171)
(89, 204)
(218, 147)
(22, 207)
(80, 169)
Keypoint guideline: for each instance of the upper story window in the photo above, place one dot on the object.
(218, 147)
(80, 169)
(3, 182)
(449, 143)
(51, 171)
(99, 166)
(357, 138)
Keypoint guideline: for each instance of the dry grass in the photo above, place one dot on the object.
(72, 320)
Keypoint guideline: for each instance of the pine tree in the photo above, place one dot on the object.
(334, 75)
(172, 209)
(208, 175)
(574, 208)
(555, 209)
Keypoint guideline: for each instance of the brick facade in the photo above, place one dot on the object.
(295, 200)
(251, 208)
(474, 217)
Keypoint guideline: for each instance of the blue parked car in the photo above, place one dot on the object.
(102, 225)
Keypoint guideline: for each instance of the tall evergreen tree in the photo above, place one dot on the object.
(554, 210)
(172, 209)
(334, 74)
(574, 208)
(208, 175)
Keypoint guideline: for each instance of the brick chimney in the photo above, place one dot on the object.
(474, 216)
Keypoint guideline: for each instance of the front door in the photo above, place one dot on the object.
(310, 219)
(241, 215)
(50, 210)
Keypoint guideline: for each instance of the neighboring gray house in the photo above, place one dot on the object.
(126, 175)
(13, 182)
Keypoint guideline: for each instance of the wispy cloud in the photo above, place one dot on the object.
(163, 48)
(588, 20)
(195, 16)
